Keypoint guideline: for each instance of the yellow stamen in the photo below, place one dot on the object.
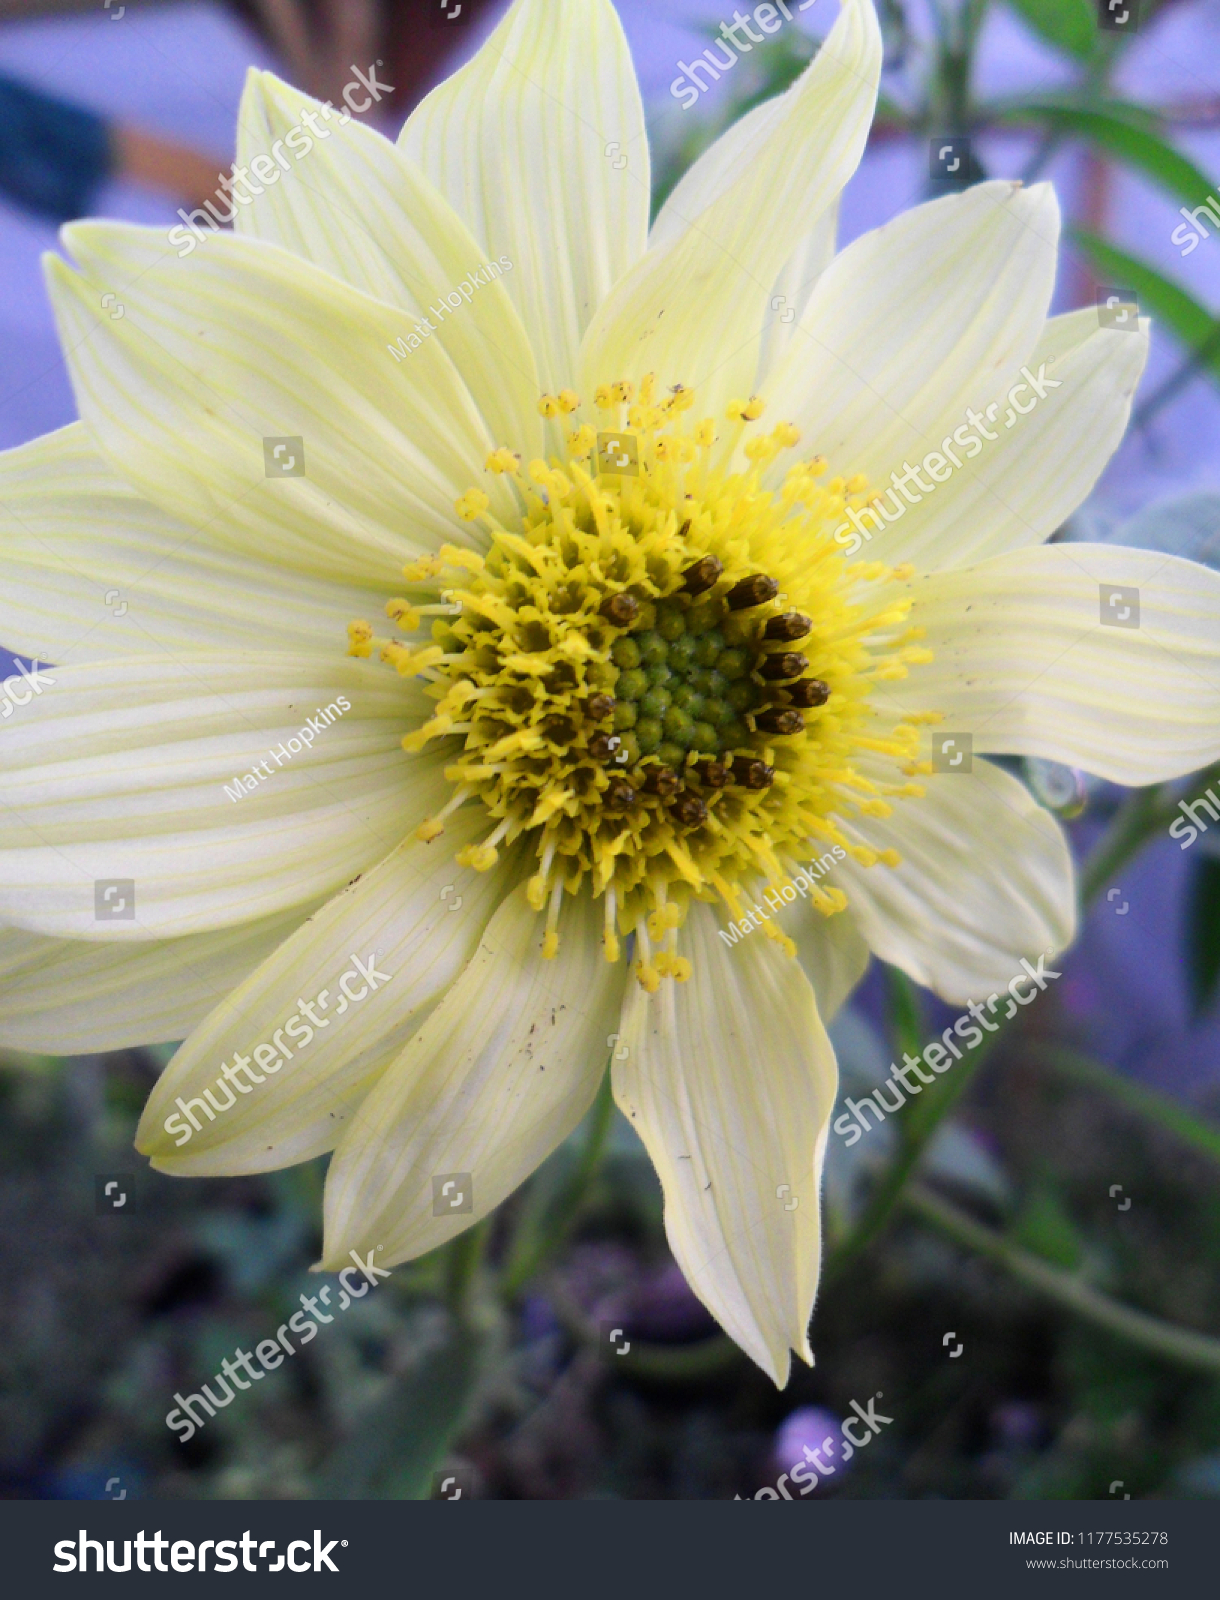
(542, 644)
(404, 614)
(471, 504)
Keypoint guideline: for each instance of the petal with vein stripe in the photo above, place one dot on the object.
(417, 918)
(730, 1081)
(500, 1073)
(539, 145)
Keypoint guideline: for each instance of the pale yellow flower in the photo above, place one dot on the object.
(538, 897)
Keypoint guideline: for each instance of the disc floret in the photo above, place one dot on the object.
(658, 679)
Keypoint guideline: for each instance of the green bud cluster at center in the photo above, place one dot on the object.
(684, 684)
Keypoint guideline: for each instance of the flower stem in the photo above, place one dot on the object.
(462, 1258)
(1182, 1346)
(1201, 1133)
(541, 1236)
(678, 1363)
(1142, 815)
(914, 1134)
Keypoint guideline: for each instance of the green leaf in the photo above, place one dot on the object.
(1121, 131)
(1192, 323)
(396, 1446)
(1066, 101)
(1203, 933)
(1070, 25)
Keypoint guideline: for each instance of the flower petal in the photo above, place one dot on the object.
(985, 878)
(730, 1081)
(1016, 491)
(539, 145)
(417, 917)
(130, 769)
(1033, 658)
(500, 1073)
(792, 291)
(834, 954)
(708, 178)
(92, 571)
(241, 343)
(693, 309)
(905, 324)
(361, 210)
(68, 997)
(832, 950)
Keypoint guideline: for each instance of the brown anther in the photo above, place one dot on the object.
(558, 729)
(689, 810)
(714, 773)
(619, 795)
(703, 575)
(791, 625)
(755, 591)
(780, 719)
(809, 692)
(788, 665)
(663, 781)
(751, 773)
(603, 745)
(599, 706)
(620, 609)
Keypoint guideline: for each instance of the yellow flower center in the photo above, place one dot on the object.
(660, 675)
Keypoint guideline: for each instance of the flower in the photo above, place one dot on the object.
(625, 652)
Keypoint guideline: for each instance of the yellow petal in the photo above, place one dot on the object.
(730, 1080)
